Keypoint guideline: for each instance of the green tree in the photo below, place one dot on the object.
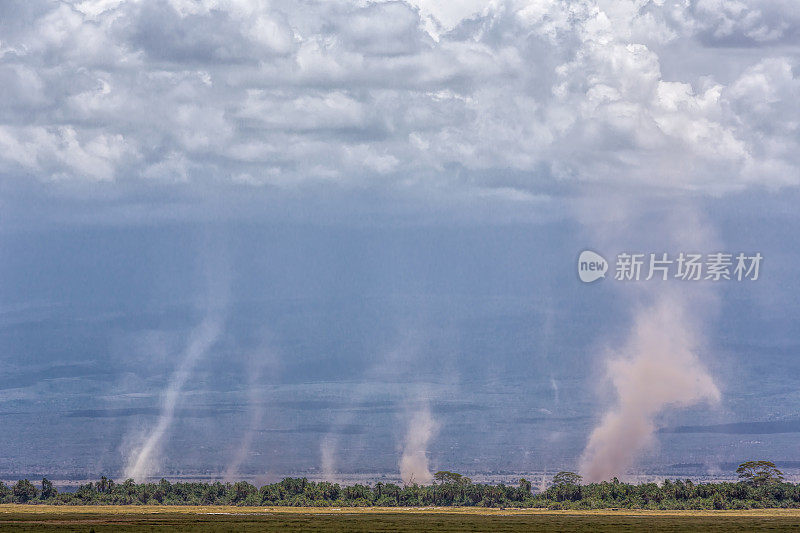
(48, 490)
(24, 491)
(525, 486)
(105, 484)
(759, 473)
(240, 490)
(567, 478)
(443, 476)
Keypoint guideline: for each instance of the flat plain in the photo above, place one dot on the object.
(20, 518)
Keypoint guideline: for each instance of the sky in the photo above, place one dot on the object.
(248, 238)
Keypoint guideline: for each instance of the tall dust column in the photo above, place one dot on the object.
(145, 460)
(259, 363)
(391, 370)
(414, 459)
(657, 368)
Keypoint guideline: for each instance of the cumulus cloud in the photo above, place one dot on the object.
(737, 23)
(513, 96)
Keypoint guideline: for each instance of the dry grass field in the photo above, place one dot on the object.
(20, 518)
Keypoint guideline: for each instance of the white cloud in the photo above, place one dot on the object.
(63, 152)
(519, 96)
(736, 22)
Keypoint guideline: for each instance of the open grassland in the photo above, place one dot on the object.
(220, 518)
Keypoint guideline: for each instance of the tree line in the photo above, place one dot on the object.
(760, 485)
